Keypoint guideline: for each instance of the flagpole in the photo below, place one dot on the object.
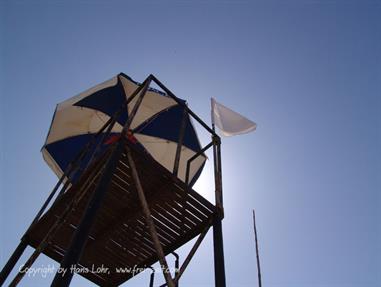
(219, 261)
(257, 253)
(212, 113)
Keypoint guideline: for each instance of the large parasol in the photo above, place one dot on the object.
(156, 126)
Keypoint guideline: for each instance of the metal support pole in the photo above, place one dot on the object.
(131, 116)
(13, 260)
(219, 264)
(80, 237)
(220, 194)
(192, 252)
(217, 174)
(149, 221)
(190, 255)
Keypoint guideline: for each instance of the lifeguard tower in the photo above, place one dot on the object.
(127, 156)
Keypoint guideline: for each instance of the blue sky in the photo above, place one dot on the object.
(308, 72)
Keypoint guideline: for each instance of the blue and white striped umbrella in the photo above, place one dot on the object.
(156, 126)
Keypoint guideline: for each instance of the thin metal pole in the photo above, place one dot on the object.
(149, 221)
(81, 235)
(192, 252)
(217, 173)
(131, 116)
(219, 261)
(190, 255)
(220, 176)
(257, 253)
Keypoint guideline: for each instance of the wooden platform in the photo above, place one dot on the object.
(119, 237)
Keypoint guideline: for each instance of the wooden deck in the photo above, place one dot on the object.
(119, 237)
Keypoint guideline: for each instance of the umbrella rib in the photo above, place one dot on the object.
(150, 119)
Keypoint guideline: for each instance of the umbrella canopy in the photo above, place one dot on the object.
(156, 126)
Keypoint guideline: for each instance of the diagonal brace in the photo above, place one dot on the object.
(149, 221)
(190, 255)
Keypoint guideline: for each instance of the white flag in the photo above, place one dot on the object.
(229, 122)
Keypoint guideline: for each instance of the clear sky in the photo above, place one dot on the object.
(308, 72)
